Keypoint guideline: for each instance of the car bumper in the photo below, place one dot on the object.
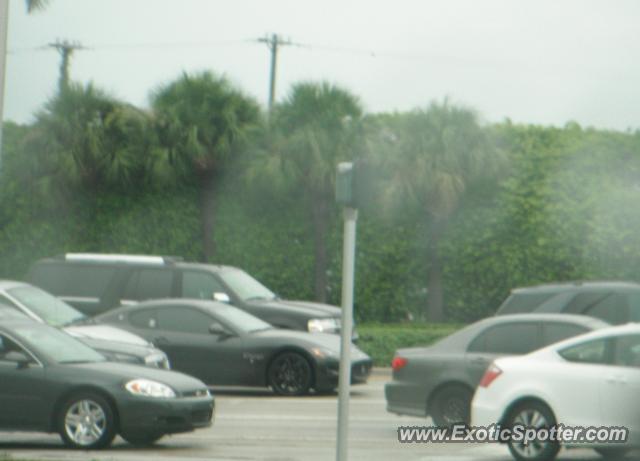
(484, 411)
(165, 416)
(327, 373)
(406, 398)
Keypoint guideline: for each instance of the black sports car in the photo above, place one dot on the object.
(223, 345)
(51, 382)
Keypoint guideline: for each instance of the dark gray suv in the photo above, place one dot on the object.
(95, 283)
(613, 302)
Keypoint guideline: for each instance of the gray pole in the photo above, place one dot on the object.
(274, 62)
(4, 28)
(344, 383)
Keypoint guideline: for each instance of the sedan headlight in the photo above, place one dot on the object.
(148, 388)
(325, 325)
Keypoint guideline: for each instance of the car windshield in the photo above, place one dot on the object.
(57, 345)
(48, 308)
(246, 287)
(242, 321)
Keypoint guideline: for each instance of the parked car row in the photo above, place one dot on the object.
(549, 356)
(57, 370)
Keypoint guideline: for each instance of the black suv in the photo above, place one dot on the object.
(94, 283)
(613, 302)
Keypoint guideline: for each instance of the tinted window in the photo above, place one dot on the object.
(143, 319)
(246, 287)
(612, 308)
(88, 281)
(596, 351)
(634, 307)
(555, 332)
(200, 285)
(49, 308)
(583, 301)
(184, 320)
(60, 346)
(149, 284)
(523, 302)
(510, 338)
(627, 351)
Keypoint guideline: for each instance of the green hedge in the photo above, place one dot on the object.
(381, 341)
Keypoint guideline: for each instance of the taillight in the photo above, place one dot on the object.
(398, 362)
(490, 375)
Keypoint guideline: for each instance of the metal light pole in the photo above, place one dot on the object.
(4, 27)
(348, 269)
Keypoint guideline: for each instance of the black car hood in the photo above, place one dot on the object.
(313, 310)
(124, 372)
(328, 341)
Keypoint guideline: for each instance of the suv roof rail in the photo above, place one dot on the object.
(122, 258)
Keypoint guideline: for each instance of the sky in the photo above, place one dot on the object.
(545, 62)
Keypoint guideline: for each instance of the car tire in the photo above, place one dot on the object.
(290, 374)
(86, 420)
(451, 405)
(142, 440)
(612, 453)
(537, 415)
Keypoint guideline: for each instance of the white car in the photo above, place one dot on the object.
(589, 382)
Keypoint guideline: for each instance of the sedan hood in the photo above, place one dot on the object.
(107, 333)
(310, 340)
(179, 382)
(313, 310)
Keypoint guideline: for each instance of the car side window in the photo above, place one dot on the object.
(555, 332)
(597, 351)
(184, 320)
(613, 309)
(200, 285)
(627, 351)
(145, 318)
(82, 280)
(8, 345)
(149, 284)
(509, 338)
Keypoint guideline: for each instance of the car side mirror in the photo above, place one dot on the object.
(221, 297)
(218, 330)
(20, 359)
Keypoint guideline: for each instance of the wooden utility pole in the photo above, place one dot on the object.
(272, 43)
(66, 49)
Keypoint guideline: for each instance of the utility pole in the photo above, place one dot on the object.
(66, 49)
(272, 43)
(4, 26)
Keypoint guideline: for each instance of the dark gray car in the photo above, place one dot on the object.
(95, 283)
(439, 380)
(615, 302)
(224, 345)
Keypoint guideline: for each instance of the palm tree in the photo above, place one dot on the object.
(96, 141)
(203, 122)
(436, 154)
(317, 126)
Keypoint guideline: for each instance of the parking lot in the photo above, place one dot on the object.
(255, 425)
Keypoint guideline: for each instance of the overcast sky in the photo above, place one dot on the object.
(533, 61)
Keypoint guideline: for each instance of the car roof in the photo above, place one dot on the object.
(8, 284)
(579, 286)
(546, 317)
(126, 260)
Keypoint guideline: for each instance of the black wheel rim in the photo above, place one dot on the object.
(290, 374)
(455, 410)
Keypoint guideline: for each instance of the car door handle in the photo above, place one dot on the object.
(480, 360)
(160, 340)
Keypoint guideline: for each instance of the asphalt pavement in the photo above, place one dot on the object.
(256, 425)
